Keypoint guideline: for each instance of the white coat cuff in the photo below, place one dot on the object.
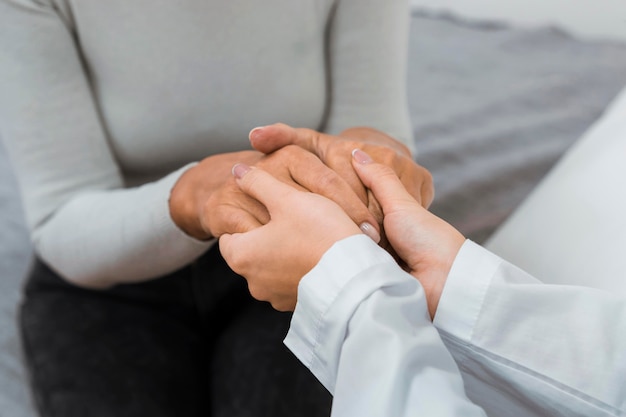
(464, 293)
(311, 330)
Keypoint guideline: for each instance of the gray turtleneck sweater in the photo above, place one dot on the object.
(103, 104)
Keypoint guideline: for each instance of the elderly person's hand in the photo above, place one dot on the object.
(334, 151)
(206, 202)
(274, 257)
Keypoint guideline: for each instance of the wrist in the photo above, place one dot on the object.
(432, 283)
(193, 197)
(433, 277)
(183, 209)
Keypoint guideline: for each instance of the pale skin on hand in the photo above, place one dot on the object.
(427, 244)
(274, 257)
(303, 226)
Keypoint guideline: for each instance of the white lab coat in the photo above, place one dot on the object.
(523, 348)
(572, 228)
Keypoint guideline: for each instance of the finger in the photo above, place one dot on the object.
(320, 177)
(262, 186)
(381, 179)
(417, 181)
(244, 202)
(375, 137)
(239, 250)
(227, 248)
(239, 221)
(270, 138)
(234, 249)
(311, 173)
(427, 191)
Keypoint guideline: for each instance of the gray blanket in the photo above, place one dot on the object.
(492, 107)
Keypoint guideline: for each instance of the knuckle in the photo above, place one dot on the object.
(328, 180)
(236, 261)
(281, 306)
(403, 148)
(417, 177)
(351, 143)
(385, 171)
(258, 292)
(380, 150)
(283, 156)
(292, 150)
(210, 218)
(237, 223)
(427, 177)
(309, 138)
(250, 181)
(307, 133)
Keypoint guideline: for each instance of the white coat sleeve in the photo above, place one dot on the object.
(530, 349)
(361, 326)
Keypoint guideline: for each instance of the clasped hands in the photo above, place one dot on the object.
(206, 202)
(276, 222)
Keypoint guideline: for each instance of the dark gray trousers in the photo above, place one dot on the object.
(193, 343)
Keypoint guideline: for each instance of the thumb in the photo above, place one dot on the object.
(270, 138)
(226, 244)
(381, 180)
(238, 249)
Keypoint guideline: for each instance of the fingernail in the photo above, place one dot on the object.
(254, 133)
(370, 231)
(239, 170)
(361, 157)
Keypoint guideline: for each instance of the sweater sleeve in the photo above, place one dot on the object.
(367, 53)
(527, 348)
(84, 224)
(362, 327)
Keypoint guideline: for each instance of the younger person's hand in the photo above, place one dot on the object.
(302, 227)
(427, 244)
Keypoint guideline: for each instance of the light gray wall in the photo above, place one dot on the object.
(603, 19)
